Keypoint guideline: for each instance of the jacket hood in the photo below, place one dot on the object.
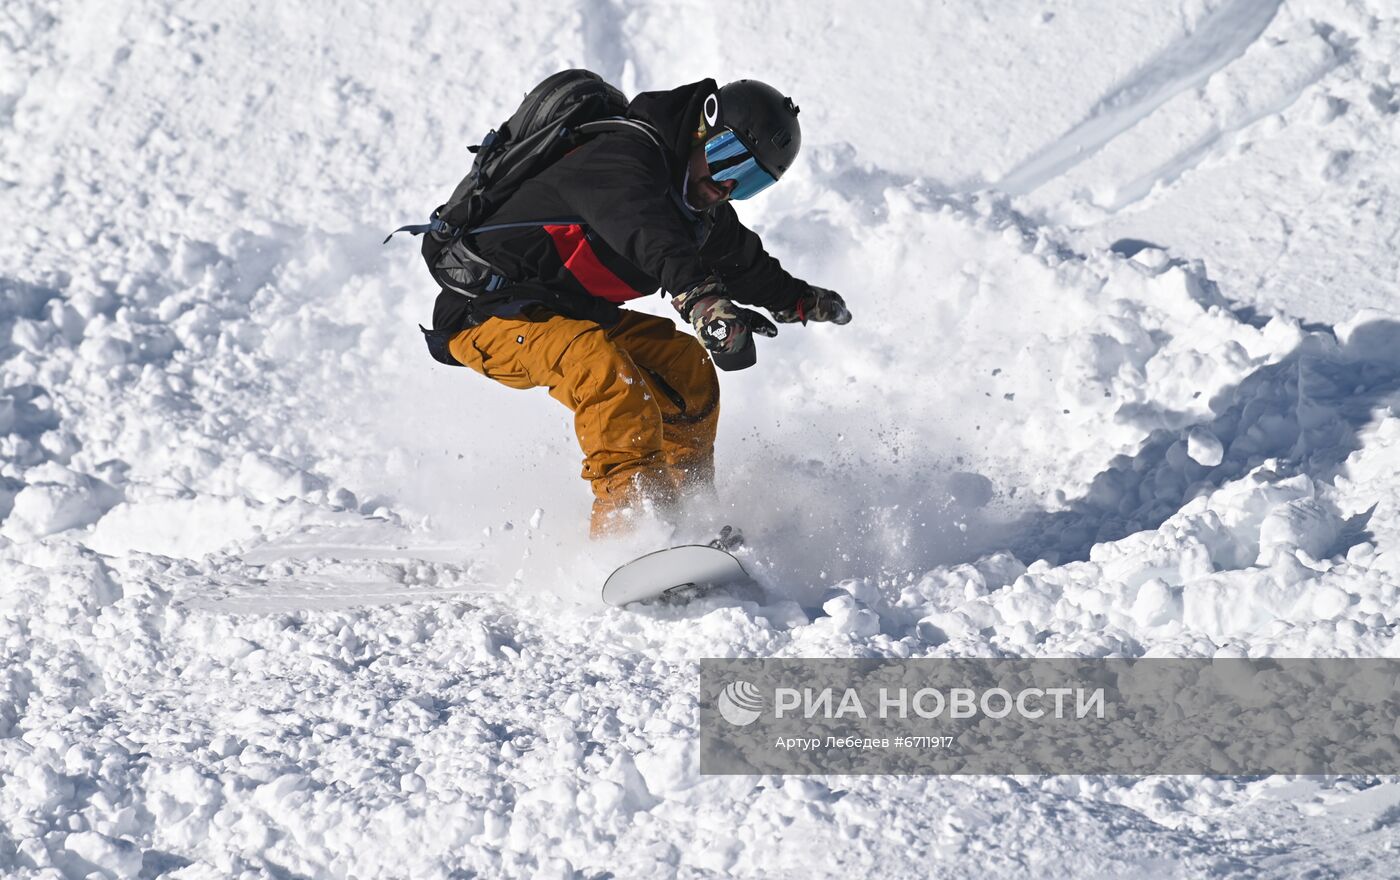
(676, 114)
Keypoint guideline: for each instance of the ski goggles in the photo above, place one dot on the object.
(729, 159)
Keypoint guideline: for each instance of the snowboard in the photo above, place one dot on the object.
(676, 574)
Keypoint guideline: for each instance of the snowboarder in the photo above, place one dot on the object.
(645, 397)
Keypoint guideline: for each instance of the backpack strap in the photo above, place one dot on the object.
(523, 224)
(437, 341)
(435, 224)
(621, 123)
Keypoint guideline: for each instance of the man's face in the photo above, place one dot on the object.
(703, 191)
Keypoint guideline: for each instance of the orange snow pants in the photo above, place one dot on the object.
(644, 395)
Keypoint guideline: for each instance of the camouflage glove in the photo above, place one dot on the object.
(723, 327)
(816, 304)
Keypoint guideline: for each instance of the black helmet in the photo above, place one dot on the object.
(763, 120)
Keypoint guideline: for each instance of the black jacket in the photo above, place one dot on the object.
(621, 228)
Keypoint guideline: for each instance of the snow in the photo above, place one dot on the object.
(280, 596)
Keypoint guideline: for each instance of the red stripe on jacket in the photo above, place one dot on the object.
(578, 256)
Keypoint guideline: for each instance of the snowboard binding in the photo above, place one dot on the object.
(729, 539)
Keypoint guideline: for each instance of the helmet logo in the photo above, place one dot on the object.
(712, 110)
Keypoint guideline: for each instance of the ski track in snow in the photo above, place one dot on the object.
(1202, 169)
(280, 597)
(1169, 171)
(1219, 39)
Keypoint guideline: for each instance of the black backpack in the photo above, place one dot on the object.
(556, 116)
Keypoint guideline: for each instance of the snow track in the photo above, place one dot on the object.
(1172, 169)
(1220, 38)
(1192, 149)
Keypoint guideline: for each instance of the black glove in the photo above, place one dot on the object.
(815, 304)
(724, 328)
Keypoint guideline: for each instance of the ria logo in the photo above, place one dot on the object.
(740, 703)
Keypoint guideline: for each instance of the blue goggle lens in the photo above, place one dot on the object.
(729, 159)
